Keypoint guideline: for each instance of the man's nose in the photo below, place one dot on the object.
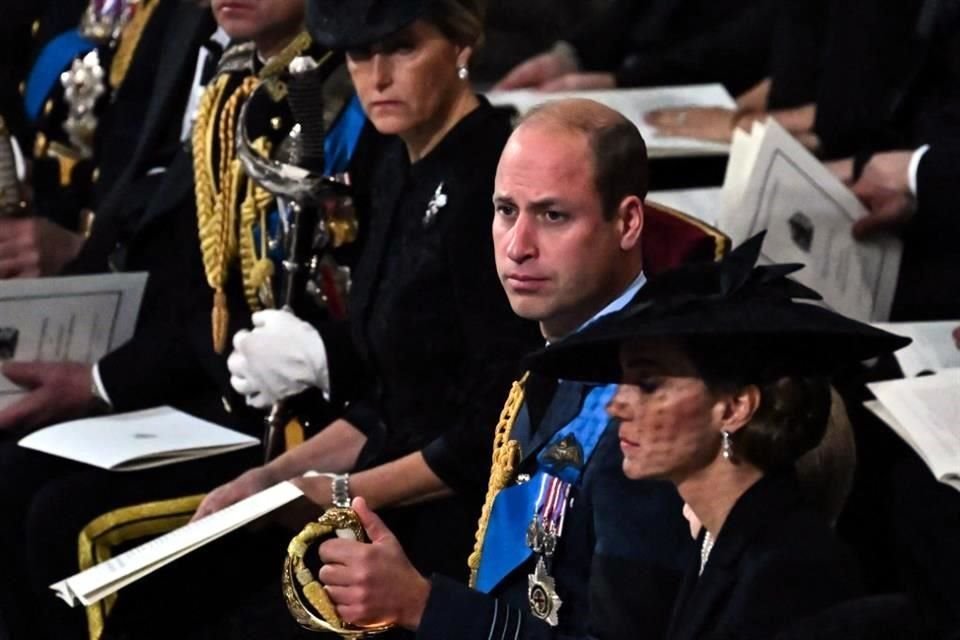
(523, 245)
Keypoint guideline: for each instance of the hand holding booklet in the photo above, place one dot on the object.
(137, 440)
(96, 583)
(773, 183)
(75, 318)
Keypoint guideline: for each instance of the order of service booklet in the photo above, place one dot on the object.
(137, 440)
(106, 578)
(773, 183)
(923, 411)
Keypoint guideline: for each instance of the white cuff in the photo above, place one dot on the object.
(101, 391)
(912, 168)
(323, 374)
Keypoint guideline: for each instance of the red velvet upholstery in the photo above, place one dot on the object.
(671, 238)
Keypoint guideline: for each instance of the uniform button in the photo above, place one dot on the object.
(39, 145)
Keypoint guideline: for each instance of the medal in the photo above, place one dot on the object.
(104, 20)
(542, 594)
(542, 536)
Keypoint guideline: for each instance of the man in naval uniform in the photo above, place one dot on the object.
(567, 546)
(46, 500)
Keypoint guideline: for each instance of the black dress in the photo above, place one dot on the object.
(774, 561)
(432, 344)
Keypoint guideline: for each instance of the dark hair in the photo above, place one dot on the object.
(792, 416)
(790, 421)
(619, 152)
(462, 21)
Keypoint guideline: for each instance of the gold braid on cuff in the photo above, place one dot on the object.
(319, 613)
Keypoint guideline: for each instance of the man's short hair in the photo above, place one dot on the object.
(619, 152)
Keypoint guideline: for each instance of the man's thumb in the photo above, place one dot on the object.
(372, 524)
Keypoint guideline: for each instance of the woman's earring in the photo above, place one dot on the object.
(727, 445)
(462, 72)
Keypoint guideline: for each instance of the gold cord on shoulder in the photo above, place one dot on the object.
(257, 269)
(218, 190)
(506, 457)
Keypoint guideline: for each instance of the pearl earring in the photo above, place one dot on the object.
(727, 448)
(462, 72)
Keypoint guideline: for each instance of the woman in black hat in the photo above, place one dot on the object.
(431, 342)
(723, 387)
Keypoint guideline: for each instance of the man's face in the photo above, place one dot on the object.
(262, 21)
(559, 260)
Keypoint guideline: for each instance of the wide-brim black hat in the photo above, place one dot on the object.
(349, 24)
(764, 324)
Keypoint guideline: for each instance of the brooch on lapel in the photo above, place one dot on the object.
(437, 202)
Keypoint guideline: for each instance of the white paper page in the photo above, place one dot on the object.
(932, 349)
(876, 408)
(808, 214)
(703, 204)
(634, 104)
(743, 156)
(928, 409)
(106, 578)
(148, 436)
(77, 318)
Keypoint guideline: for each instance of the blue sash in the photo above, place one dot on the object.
(55, 57)
(341, 139)
(504, 546)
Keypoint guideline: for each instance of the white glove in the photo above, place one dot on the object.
(280, 357)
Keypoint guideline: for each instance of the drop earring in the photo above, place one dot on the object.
(727, 448)
(462, 72)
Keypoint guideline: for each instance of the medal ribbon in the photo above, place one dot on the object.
(504, 546)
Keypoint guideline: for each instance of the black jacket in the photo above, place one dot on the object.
(431, 344)
(148, 223)
(774, 561)
(668, 42)
(618, 564)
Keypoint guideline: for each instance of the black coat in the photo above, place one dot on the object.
(618, 564)
(937, 176)
(431, 344)
(668, 42)
(148, 223)
(774, 561)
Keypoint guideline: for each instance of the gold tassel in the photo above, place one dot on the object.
(220, 319)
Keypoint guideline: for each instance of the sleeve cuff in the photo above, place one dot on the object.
(913, 166)
(446, 466)
(456, 611)
(99, 390)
